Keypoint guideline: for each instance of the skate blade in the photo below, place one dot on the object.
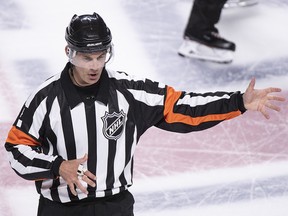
(239, 4)
(199, 51)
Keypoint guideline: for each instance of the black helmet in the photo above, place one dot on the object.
(88, 33)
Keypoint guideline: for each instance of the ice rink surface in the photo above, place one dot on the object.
(239, 167)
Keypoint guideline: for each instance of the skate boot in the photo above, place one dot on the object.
(209, 47)
(239, 3)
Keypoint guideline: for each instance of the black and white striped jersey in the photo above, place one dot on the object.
(56, 124)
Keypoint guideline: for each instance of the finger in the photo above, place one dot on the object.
(276, 98)
(265, 114)
(72, 189)
(88, 181)
(273, 107)
(90, 175)
(273, 89)
(81, 187)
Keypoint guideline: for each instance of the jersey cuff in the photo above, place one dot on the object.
(56, 165)
(241, 104)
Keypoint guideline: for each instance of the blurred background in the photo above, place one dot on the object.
(239, 167)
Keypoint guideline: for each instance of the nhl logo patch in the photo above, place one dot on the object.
(113, 124)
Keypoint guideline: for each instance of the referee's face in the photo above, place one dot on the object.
(88, 67)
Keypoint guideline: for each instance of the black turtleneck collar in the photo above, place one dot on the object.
(72, 94)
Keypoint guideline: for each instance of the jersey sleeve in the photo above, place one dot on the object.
(23, 142)
(178, 111)
(186, 112)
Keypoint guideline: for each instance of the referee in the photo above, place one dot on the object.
(76, 134)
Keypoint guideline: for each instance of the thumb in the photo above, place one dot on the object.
(83, 159)
(251, 84)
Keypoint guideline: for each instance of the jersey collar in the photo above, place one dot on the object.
(71, 93)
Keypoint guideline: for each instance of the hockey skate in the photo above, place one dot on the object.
(239, 3)
(211, 47)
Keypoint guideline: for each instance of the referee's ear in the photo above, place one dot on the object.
(67, 51)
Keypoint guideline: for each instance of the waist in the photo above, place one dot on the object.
(60, 193)
(88, 200)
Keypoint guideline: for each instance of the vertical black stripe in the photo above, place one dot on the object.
(46, 131)
(54, 192)
(68, 133)
(130, 129)
(53, 139)
(110, 168)
(67, 127)
(113, 107)
(92, 137)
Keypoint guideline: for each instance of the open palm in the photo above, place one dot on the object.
(261, 99)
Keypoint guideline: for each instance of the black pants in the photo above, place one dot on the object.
(117, 205)
(203, 17)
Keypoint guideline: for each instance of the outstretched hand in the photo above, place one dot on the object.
(260, 99)
(68, 171)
